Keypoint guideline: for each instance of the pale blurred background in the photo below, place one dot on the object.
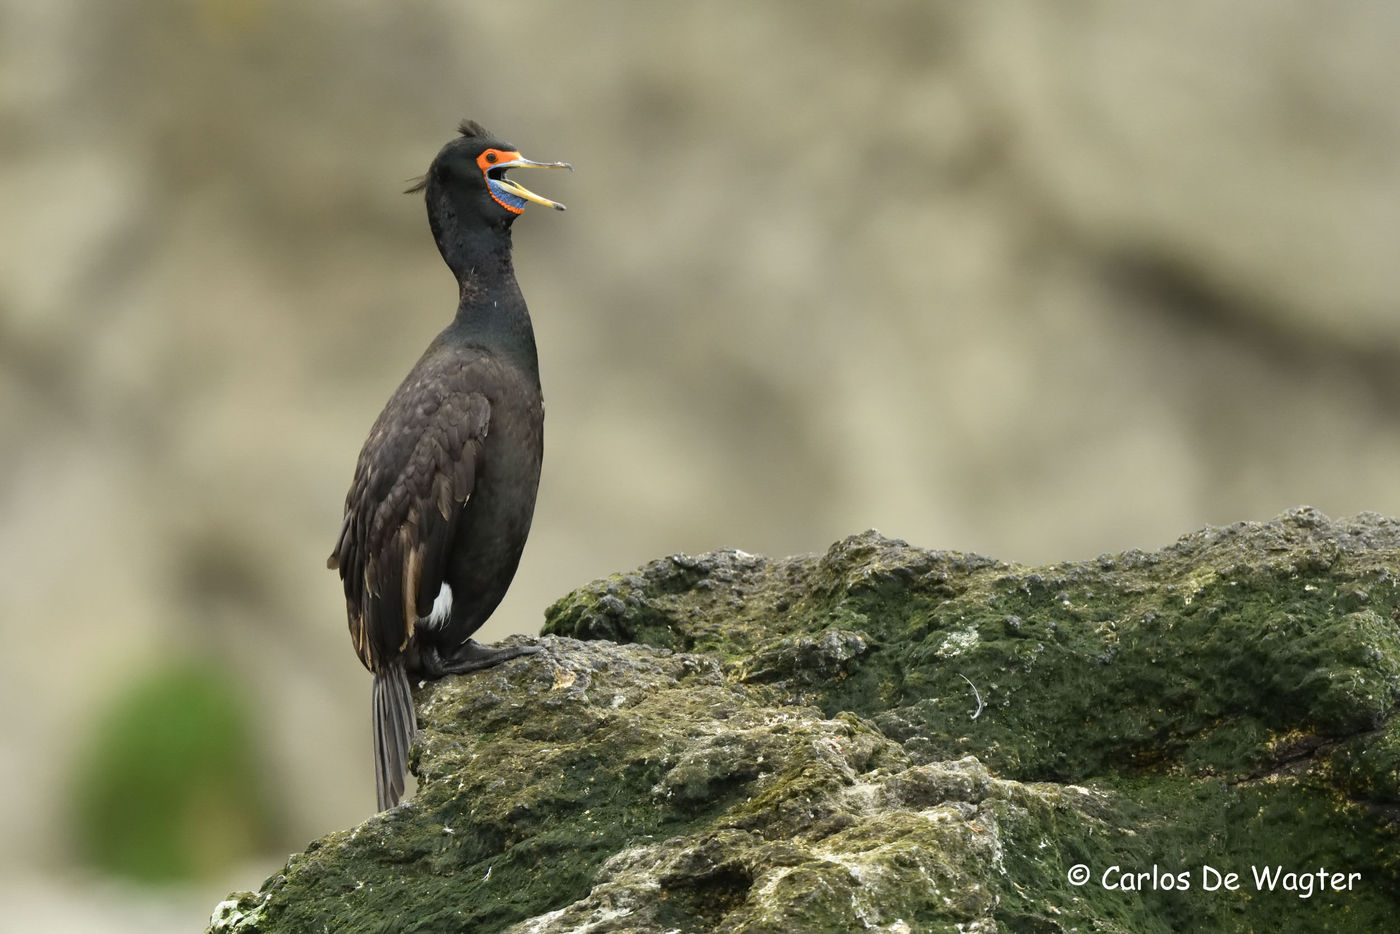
(1040, 281)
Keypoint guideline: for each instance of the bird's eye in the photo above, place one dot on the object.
(490, 157)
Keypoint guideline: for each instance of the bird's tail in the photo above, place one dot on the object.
(394, 725)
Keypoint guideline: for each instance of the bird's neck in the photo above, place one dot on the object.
(491, 310)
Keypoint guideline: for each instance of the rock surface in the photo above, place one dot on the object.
(886, 738)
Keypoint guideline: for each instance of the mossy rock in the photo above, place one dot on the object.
(886, 738)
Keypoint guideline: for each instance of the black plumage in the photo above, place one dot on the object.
(444, 490)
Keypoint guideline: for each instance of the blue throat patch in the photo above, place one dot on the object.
(505, 197)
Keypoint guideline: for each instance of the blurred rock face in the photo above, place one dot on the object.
(1035, 283)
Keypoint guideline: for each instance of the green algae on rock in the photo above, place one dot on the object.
(1200, 657)
(886, 738)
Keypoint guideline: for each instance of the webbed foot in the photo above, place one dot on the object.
(473, 656)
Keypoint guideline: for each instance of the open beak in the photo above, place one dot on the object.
(520, 191)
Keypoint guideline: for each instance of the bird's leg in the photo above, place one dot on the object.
(473, 656)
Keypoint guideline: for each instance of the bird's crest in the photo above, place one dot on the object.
(469, 129)
(472, 128)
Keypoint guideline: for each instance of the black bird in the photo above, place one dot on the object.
(444, 490)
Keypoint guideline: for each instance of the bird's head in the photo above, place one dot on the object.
(468, 177)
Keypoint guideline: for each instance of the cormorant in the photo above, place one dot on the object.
(444, 490)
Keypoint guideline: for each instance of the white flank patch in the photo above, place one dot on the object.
(442, 607)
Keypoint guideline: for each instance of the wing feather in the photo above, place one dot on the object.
(413, 480)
